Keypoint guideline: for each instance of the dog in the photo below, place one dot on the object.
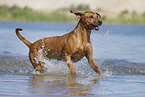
(70, 47)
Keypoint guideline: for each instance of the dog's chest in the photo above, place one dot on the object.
(78, 55)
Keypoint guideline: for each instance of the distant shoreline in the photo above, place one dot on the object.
(104, 23)
(26, 14)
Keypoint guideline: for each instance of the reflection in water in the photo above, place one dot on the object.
(58, 85)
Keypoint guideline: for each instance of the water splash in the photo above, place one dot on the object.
(22, 66)
(54, 67)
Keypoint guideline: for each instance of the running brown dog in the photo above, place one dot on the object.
(70, 47)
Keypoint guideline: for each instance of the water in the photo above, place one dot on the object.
(119, 51)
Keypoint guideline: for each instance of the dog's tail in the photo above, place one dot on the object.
(22, 38)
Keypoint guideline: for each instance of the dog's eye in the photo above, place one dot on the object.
(91, 17)
(98, 17)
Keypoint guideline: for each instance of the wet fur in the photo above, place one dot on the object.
(70, 47)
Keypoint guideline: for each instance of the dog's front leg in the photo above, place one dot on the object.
(70, 65)
(89, 56)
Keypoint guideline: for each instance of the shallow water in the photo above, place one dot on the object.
(119, 50)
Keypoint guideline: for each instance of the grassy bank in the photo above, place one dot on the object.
(128, 18)
(16, 13)
(26, 14)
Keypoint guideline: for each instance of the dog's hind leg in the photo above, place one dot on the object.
(37, 65)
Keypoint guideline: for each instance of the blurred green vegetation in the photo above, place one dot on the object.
(80, 7)
(128, 18)
(16, 13)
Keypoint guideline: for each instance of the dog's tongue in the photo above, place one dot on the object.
(96, 28)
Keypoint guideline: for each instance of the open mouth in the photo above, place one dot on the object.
(96, 27)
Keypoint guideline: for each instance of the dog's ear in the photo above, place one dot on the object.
(77, 13)
(98, 15)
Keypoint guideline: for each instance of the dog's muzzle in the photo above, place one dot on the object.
(99, 23)
(96, 27)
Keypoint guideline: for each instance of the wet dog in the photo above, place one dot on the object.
(70, 47)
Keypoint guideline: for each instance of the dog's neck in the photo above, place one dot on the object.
(80, 29)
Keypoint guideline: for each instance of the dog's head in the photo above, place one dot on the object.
(91, 20)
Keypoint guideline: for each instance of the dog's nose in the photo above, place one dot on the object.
(99, 23)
